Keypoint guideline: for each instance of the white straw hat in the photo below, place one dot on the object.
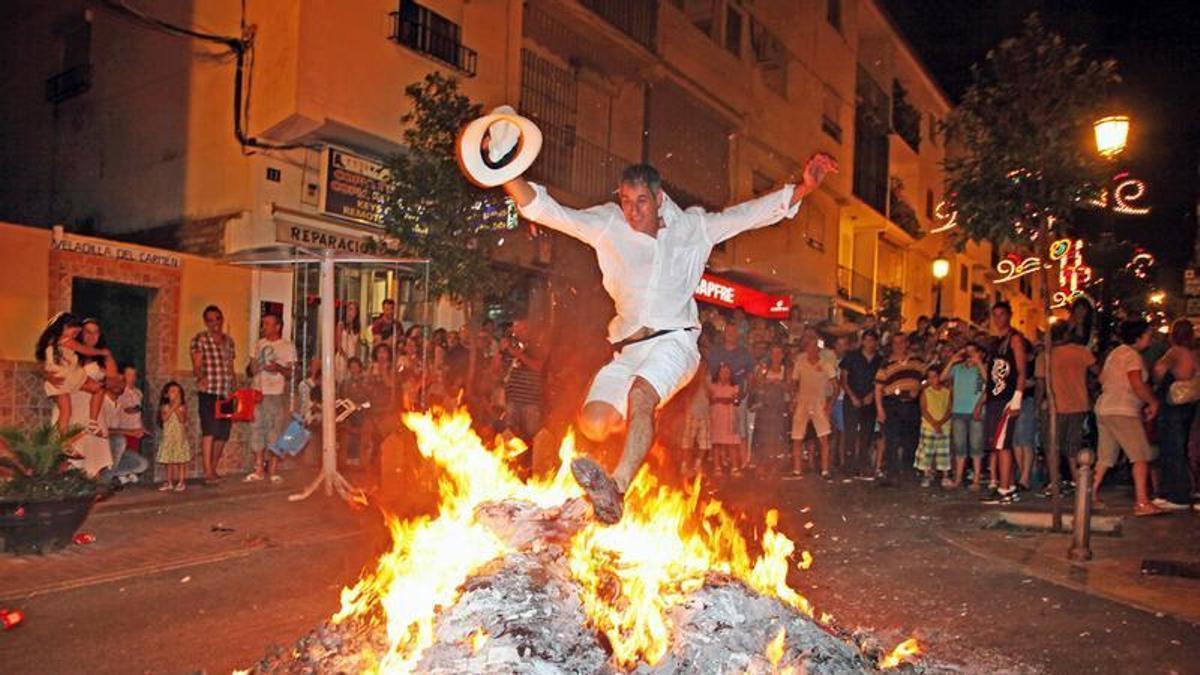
(508, 130)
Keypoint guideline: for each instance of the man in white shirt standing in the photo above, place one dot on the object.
(271, 366)
(651, 254)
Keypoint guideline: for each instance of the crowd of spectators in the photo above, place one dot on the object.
(949, 405)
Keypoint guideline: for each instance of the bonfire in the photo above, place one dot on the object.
(513, 575)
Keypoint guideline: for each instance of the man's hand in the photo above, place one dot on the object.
(1151, 411)
(815, 170)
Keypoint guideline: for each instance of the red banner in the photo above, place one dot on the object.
(724, 293)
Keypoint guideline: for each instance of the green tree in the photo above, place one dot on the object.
(434, 212)
(1023, 160)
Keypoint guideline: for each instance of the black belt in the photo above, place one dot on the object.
(622, 344)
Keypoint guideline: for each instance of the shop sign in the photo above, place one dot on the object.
(1191, 283)
(354, 187)
(724, 293)
(302, 235)
(111, 250)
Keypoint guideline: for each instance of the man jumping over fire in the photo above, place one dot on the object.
(652, 255)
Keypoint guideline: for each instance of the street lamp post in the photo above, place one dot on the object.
(1112, 133)
(941, 268)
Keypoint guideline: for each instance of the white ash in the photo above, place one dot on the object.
(529, 607)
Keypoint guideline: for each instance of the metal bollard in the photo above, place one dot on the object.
(1082, 527)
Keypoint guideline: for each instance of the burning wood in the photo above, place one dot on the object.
(512, 577)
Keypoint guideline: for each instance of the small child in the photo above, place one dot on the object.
(934, 450)
(59, 351)
(723, 400)
(129, 405)
(174, 450)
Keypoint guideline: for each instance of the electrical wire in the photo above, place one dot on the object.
(241, 47)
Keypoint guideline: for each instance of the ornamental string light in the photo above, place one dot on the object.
(1013, 267)
(1073, 274)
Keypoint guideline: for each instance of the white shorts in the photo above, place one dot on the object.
(667, 363)
(809, 411)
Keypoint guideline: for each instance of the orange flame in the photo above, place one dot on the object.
(775, 649)
(900, 654)
(478, 639)
(631, 573)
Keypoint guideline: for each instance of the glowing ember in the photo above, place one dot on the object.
(478, 639)
(630, 575)
(775, 654)
(900, 654)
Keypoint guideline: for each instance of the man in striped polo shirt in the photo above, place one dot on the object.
(897, 407)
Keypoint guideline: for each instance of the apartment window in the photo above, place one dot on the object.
(421, 29)
(962, 278)
(702, 14)
(761, 184)
(549, 95)
(935, 128)
(733, 30)
(906, 119)
(831, 117)
(75, 77)
(770, 57)
(929, 204)
(871, 143)
(833, 14)
(814, 226)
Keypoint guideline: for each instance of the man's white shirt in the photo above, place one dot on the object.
(652, 279)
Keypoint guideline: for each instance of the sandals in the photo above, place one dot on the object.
(181, 486)
(607, 501)
(166, 487)
(1147, 509)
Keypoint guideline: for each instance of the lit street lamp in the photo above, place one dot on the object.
(941, 269)
(1111, 134)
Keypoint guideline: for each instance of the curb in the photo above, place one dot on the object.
(158, 568)
(1056, 579)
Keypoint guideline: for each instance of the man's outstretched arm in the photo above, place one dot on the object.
(771, 208)
(521, 191)
(537, 205)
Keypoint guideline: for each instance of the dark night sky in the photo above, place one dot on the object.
(1157, 47)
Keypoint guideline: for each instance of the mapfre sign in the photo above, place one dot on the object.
(724, 293)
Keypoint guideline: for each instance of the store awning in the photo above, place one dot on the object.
(722, 292)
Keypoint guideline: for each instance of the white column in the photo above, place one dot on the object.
(328, 393)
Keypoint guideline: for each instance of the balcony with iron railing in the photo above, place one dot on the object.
(428, 33)
(855, 287)
(636, 18)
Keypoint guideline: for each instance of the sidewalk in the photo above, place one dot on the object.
(1115, 571)
(140, 531)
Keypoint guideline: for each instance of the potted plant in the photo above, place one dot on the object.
(43, 499)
